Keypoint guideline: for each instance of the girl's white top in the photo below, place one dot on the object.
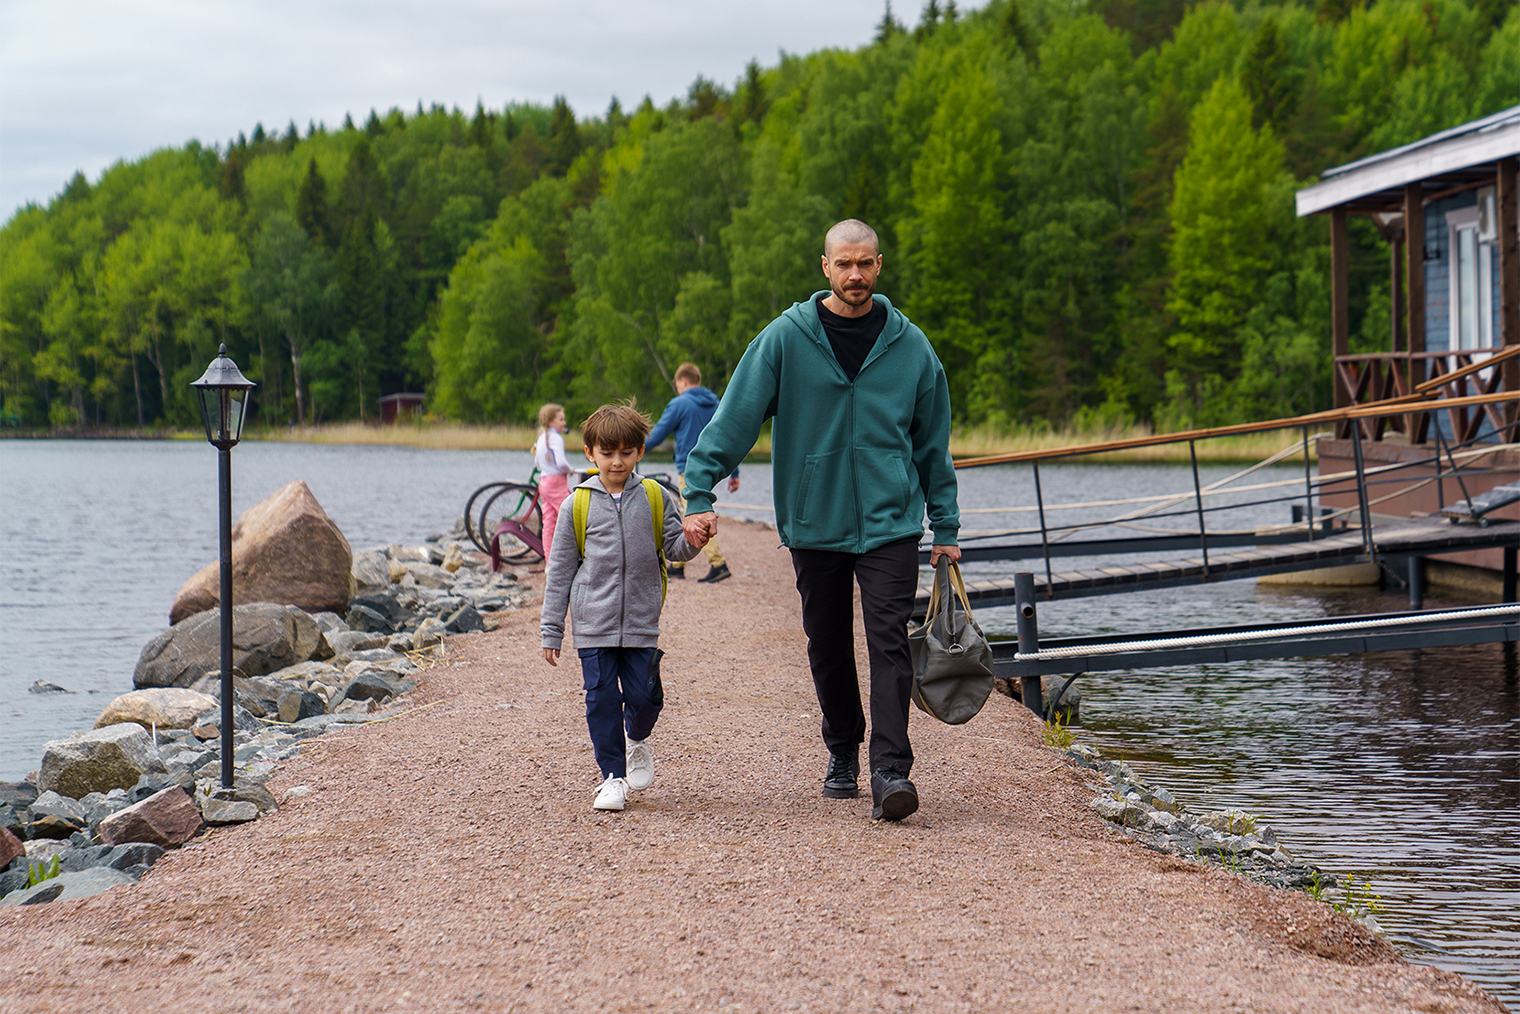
(549, 453)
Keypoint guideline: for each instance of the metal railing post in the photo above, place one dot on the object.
(1361, 491)
(1029, 638)
(1203, 535)
(1039, 499)
(1309, 517)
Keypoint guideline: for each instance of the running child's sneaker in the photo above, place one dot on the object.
(612, 795)
(640, 763)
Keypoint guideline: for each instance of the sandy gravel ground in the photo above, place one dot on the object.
(449, 860)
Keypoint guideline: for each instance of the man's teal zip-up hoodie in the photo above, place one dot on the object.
(853, 463)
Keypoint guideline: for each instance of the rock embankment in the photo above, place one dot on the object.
(105, 804)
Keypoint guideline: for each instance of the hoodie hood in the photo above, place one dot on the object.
(702, 396)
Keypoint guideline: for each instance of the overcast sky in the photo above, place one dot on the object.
(86, 82)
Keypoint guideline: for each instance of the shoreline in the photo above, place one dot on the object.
(455, 845)
(963, 444)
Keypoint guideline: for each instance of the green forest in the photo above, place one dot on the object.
(1087, 206)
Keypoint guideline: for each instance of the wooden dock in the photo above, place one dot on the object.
(1400, 539)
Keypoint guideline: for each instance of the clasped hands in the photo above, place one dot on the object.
(699, 529)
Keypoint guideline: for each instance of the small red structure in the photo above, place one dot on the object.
(399, 406)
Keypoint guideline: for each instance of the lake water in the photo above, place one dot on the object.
(1403, 768)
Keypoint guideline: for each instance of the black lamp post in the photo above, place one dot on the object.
(223, 393)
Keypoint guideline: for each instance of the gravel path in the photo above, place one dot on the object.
(449, 860)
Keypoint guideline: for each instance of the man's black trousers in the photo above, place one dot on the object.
(888, 577)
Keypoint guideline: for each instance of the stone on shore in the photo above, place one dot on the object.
(266, 636)
(160, 707)
(11, 848)
(166, 818)
(372, 571)
(98, 761)
(284, 549)
(69, 886)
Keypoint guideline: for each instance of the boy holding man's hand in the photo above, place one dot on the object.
(614, 590)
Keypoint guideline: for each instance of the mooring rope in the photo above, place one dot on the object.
(1205, 640)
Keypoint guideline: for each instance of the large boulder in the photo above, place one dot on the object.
(284, 549)
(10, 848)
(266, 636)
(98, 761)
(167, 818)
(161, 707)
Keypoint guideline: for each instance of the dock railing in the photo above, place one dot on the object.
(1376, 378)
(1454, 462)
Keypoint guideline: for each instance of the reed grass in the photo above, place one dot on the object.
(965, 442)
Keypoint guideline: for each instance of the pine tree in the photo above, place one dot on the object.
(564, 141)
(616, 118)
(928, 21)
(1265, 78)
(258, 133)
(1016, 28)
(887, 27)
(480, 126)
(752, 100)
(348, 122)
(372, 126)
(363, 187)
(312, 212)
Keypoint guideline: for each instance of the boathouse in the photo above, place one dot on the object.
(398, 407)
(1447, 207)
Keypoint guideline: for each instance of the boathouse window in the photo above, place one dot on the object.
(1473, 247)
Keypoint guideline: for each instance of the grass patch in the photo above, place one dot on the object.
(966, 442)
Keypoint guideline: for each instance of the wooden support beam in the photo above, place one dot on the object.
(1396, 293)
(1340, 311)
(1509, 272)
(1414, 279)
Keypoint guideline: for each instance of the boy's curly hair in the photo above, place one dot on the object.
(613, 427)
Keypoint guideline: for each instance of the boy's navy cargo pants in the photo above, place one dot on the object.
(623, 694)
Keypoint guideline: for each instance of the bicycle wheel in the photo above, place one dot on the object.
(513, 512)
(482, 540)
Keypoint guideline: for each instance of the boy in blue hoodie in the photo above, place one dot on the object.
(606, 569)
(685, 416)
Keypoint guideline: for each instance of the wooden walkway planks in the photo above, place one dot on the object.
(1421, 537)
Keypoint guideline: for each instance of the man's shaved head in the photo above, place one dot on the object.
(851, 230)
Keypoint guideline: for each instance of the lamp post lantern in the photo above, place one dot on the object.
(223, 393)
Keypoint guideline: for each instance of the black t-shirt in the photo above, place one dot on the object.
(852, 338)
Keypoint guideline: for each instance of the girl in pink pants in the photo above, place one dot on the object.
(554, 468)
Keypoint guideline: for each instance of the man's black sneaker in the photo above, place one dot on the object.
(715, 575)
(893, 797)
(676, 573)
(840, 781)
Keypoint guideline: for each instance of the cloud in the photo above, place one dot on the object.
(90, 82)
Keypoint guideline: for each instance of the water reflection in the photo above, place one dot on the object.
(1400, 767)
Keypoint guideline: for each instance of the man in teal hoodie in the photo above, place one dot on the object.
(859, 451)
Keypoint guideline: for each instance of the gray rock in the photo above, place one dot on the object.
(114, 757)
(331, 623)
(380, 655)
(372, 571)
(12, 880)
(376, 686)
(69, 887)
(75, 859)
(17, 793)
(219, 812)
(98, 807)
(429, 632)
(304, 673)
(266, 637)
(133, 855)
(42, 687)
(366, 619)
(299, 704)
(50, 803)
(346, 644)
(48, 890)
(429, 575)
(403, 554)
(466, 620)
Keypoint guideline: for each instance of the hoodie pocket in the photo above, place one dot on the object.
(824, 503)
(885, 491)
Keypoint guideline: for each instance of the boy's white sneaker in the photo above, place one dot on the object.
(640, 763)
(612, 795)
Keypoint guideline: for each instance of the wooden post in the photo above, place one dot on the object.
(1414, 277)
(1396, 293)
(1509, 275)
(1340, 312)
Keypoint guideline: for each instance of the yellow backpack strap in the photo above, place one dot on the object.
(580, 507)
(656, 499)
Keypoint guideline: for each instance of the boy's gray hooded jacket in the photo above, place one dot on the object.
(614, 593)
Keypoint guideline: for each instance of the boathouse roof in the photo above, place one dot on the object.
(1454, 159)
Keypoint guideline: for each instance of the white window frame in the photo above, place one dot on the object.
(1465, 220)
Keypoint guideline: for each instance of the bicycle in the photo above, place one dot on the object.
(509, 525)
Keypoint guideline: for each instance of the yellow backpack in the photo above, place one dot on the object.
(580, 507)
